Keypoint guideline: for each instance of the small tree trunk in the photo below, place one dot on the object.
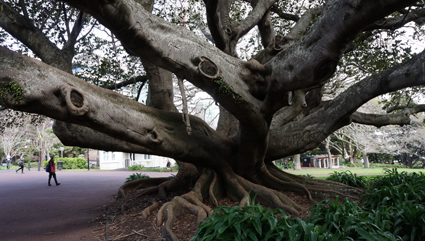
(297, 162)
(366, 160)
(328, 150)
(409, 161)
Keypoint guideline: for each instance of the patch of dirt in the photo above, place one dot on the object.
(122, 219)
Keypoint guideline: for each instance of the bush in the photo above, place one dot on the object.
(136, 176)
(329, 221)
(243, 223)
(391, 209)
(381, 165)
(137, 167)
(70, 163)
(348, 178)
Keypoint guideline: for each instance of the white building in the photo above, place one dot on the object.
(116, 160)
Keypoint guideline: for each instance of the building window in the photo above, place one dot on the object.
(113, 156)
(105, 156)
(147, 156)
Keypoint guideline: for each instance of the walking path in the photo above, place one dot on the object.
(31, 210)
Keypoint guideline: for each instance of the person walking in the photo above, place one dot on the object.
(21, 164)
(168, 165)
(8, 161)
(285, 166)
(52, 171)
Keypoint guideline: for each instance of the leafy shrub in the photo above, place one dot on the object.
(307, 176)
(392, 209)
(139, 167)
(329, 221)
(381, 165)
(348, 178)
(400, 197)
(348, 221)
(70, 163)
(136, 176)
(251, 223)
(136, 167)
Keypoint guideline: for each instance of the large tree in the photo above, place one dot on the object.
(271, 105)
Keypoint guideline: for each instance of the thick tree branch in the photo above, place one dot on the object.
(21, 28)
(337, 26)
(254, 17)
(307, 133)
(417, 16)
(378, 120)
(132, 80)
(184, 54)
(64, 97)
(283, 15)
(303, 23)
(76, 30)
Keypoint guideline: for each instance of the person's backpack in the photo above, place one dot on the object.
(48, 168)
(21, 163)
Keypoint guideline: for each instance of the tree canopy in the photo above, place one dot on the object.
(285, 75)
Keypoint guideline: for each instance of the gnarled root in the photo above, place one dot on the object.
(240, 187)
(140, 183)
(170, 210)
(147, 211)
(192, 201)
(318, 189)
(187, 173)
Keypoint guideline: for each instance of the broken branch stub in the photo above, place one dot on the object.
(208, 68)
(75, 102)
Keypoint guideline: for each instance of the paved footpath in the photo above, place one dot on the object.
(32, 211)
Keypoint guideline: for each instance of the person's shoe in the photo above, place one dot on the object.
(49, 184)
(57, 184)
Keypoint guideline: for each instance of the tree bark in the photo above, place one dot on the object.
(366, 160)
(297, 162)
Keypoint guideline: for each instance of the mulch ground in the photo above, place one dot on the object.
(122, 219)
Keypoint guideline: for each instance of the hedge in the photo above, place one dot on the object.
(70, 163)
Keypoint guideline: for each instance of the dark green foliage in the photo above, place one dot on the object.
(308, 176)
(253, 223)
(348, 221)
(387, 165)
(136, 176)
(348, 178)
(392, 209)
(70, 163)
(139, 167)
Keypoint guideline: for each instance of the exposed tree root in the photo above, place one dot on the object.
(184, 178)
(319, 189)
(170, 210)
(215, 191)
(147, 211)
(210, 187)
(269, 197)
(139, 184)
(192, 202)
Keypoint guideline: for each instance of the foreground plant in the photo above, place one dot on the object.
(348, 178)
(136, 176)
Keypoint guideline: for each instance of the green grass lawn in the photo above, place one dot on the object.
(355, 170)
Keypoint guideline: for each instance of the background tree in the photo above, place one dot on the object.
(12, 141)
(310, 69)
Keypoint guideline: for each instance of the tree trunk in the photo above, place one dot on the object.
(328, 150)
(297, 162)
(366, 160)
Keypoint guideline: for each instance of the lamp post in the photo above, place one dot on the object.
(61, 148)
(88, 159)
